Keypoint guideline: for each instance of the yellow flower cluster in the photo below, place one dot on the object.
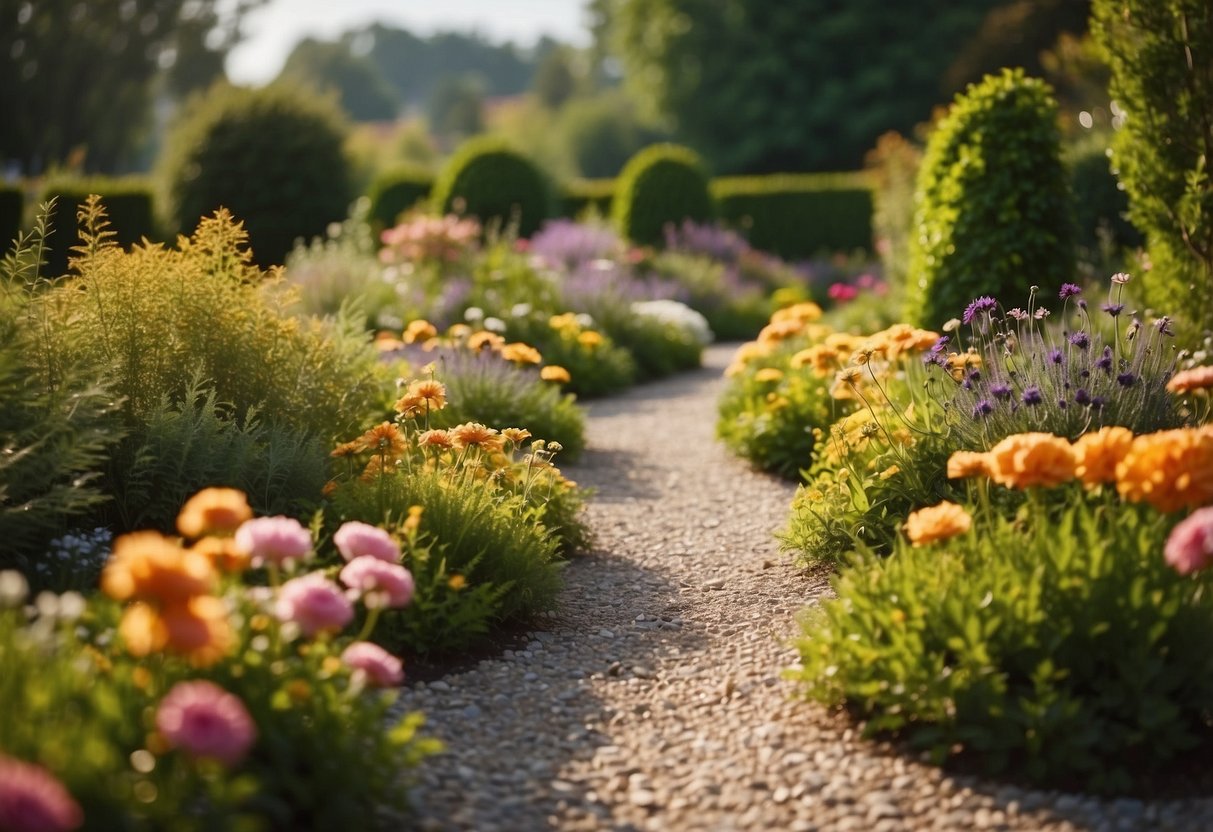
(937, 523)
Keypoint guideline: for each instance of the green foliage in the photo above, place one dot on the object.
(456, 107)
(892, 167)
(128, 205)
(1066, 652)
(992, 204)
(397, 190)
(273, 157)
(361, 89)
(735, 308)
(340, 275)
(658, 347)
(12, 204)
(597, 365)
(603, 131)
(1158, 53)
(488, 180)
(587, 196)
(798, 216)
(661, 184)
(1100, 205)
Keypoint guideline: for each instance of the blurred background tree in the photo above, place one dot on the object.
(361, 89)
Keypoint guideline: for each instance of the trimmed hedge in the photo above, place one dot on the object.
(578, 196)
(798, 215)
(395, 191)
(487, 179)
(662, 184)
(12, 202)
(128, 205)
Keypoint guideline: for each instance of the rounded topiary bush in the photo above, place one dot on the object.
(397, 190)
(992, 207)
(489, 180)
(274, 157)
(662, 184)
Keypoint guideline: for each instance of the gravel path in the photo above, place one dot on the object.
(653, 699)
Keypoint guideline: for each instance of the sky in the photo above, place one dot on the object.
(272, 30)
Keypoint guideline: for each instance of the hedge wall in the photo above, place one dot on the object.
(12, 201)
(578, 196)
(798, 215)
(128, 204)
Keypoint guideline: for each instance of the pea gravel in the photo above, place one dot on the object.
(653, 699)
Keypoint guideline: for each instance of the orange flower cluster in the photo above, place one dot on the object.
(1098, 453)
(555, 373)
(1170, 470)
(1189, 381)
(476, 435)
(422, 397)
(1020, 461)
(419, 332)
(937, 523)
(520, 353)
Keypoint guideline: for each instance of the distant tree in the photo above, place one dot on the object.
(602, 132)
(789, 86)
(361, 89)
(76, 78)
(456, 107)
(555, 79)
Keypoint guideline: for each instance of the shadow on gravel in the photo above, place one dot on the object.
(600, 469)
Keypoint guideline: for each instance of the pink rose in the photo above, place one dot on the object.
(32, 800)
(1190, 546)
(354, 539)
(204, 720)
(276, 540)
(315, 603)
(383, 584)
(382, 669)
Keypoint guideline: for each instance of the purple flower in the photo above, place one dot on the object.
(1080, 340)
(1031, 395)
(1163, 325)
(981, 304)
(1113, 309)
(1126, 379)
(1000, 390)
(1081, 396)
(1098, 402)
(1105, 361)
(941, 344)
(1055, 356)
(983, 408)
(1069, 290)
(1061, 404)
(1082, 303)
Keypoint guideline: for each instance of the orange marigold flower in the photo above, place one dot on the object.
(1099, 452)
(223, 553)
(431, 393)
(1197, 378)
(521, 353)
(142, 630)
(213, 511)
(476, 435)
(384, 438)
(199, 629)
(566, 321)
(377, 467)
(590, 339)
(413, 521)
(458, 331)
(804, 312)
(348, 449)
(555, 373)
(768, 374)
(937, 523)
(516, 435)
(964, 464)
(780, 330)
(385, 342)
(149, 565)
(484, 338)
(1170, 470)
(419, 331)
(457, 582)
(1031, 459)
(440, 439)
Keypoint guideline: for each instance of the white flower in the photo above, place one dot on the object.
(677, 314)
(494, 324)
(473, 313)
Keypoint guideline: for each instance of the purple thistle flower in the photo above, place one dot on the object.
(1113, 309)
(941, 344)
(1031, 396)
(982, 409)
(1080, 340)
(1098, 402)
(982, 304)
(1084, 373)
(1081, 396)
(1000, 390)
(1069, 290)
(1126, 379)
(1061, 404)
(1082, 303)
(1105, 361)
(1163, 325)
(1055, 356)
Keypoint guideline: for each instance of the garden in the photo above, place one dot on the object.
(479, 497)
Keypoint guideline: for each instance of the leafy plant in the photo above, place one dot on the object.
(488, 180)
(661, 184)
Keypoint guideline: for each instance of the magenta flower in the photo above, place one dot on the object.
(355, 539)
(382, 584)
(32, 800)
(382, 669)
(277, 540)
(204, 720)
(314, 603)
(1190, 546)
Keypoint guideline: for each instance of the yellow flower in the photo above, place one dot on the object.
(484, 338)
(1170, 470)
(476, 435)
(963, 464)
(937, 523)
(1197, 378)
(556, 373)
(516, 435)
(590, 339)
(891, 471)
(213, 511)
(457, 582)
(804, 312)
(419, 331)
(780, 330)
(413, 521)
(422, 397)
(377, 467)
(1031, 459)
(458, 331)
(566, 321)
(768, 374)
(1099, 452)
(521, 353)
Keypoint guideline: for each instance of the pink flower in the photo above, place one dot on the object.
(354, 539)
(204, 720)
(32, 800)
(842, 292)
(315, 603)
(384, 584)
(382, 669)
(1190, 546)
(275, 540)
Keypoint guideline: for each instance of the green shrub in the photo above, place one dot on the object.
(660, 339)
(397, 190)
(662, 184)
(487, 179)
(128, 205)
(12, 205)
(798, 216)
(596, 364)
(1162, 151)
(992, 205)
(1065, 652)
(272, 156)
(1100, 205)
(583, 196)
(892, 167)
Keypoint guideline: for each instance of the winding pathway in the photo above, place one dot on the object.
(653, 699)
